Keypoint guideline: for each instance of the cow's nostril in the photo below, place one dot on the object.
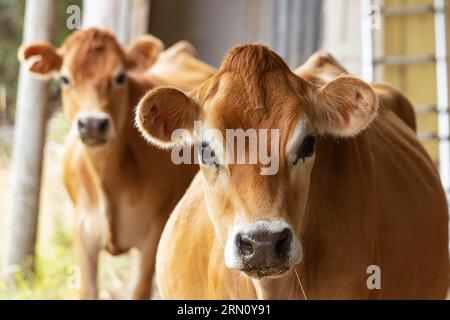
(103, 125)
(82, 124)
(245, 246)
(284, 242)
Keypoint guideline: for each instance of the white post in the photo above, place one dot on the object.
(367, 41)
(442, 92)
(139, 18)
(29, 135)
(105, 14)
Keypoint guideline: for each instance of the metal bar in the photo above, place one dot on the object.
(403, 60)
(428, 136)
(425, 109)
(429, 110)
(411, 10)
(442, 91)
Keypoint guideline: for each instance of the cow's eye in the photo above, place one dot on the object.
(207, 155)
(306, 149)
(64, 80)
(120, 78)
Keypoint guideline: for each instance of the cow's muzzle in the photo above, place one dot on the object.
(94, 130)
(264, 248)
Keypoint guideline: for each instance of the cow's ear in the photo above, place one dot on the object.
(42, 59)
(165, 116)
(344, 107)
(143, 53)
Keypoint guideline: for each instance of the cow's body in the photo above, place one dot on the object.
(122, 197)
(121, 188)
(374, 199)
(384, 207)
(179, 67)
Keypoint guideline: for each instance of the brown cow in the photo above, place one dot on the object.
(122, 189)
(355, 191)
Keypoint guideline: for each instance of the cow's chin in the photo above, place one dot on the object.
(94, 142)
(270, 272)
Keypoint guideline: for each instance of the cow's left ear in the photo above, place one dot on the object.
(42, 59)
(344, 107)
(143, 53)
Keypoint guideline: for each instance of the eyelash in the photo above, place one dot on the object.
(306, 149)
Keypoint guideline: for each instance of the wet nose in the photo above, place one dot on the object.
(93, 128)
(263, 248)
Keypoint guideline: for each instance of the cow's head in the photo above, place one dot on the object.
(257, 217)
(92, 68)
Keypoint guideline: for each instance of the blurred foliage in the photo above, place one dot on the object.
(5, 150)
(11, 21)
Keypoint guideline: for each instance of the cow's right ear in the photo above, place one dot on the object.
(165, 116)
(42, 59)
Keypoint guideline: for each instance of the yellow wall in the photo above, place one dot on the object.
(413, 35)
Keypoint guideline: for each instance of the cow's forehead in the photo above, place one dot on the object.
(253, 88)
(92, 53)
(239, 103)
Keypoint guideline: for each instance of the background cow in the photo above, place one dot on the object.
(322, 67)
(355, 189)
(121, 188)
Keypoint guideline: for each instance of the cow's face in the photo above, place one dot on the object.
(257, 213)
(92, 69)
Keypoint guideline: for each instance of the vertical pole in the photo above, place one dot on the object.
(139, 18)
(367, 41)
(442, 92)
(29, 135)
(103, 14)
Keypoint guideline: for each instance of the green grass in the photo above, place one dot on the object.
(51, 277)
